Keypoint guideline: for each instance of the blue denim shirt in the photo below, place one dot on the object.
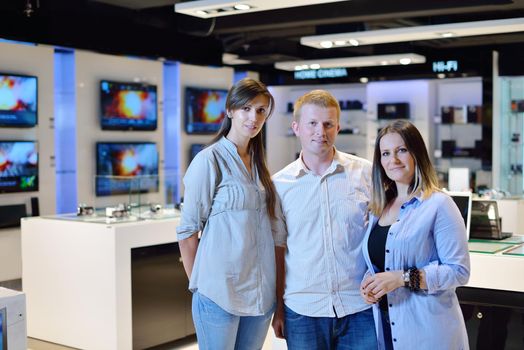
(429, 234)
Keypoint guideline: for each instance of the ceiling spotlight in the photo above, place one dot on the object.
(364, 80)
(354, 42)
(201, 12)
(326, 44)
(342, 62)
(405, 61)
(242, 7)
(447, 34)
(441, 75)
(314, 66)
(340, 42)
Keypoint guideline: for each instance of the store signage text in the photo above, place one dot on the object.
(445, 66)
(321, 73)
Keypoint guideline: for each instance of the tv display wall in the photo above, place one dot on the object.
(18, 100)
(205, 110)
(128, 106)
(18, 166)
(124, 168)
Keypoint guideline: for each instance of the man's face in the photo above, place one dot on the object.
(317, 129)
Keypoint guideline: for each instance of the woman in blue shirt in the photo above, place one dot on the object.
(229, 197)
(415, 248)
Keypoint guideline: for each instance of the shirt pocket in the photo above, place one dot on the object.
(231, 196)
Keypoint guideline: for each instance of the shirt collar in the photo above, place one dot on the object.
(338, 163)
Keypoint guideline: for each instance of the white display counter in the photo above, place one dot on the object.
(77, 278)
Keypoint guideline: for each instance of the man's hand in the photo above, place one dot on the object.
(278, 322)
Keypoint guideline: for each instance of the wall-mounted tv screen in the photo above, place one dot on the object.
(18, 166)
(18, 100)
(205, 110)
(128, 106)
(124, 168)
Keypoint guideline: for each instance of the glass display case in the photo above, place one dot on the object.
(123, 199)
(511, 135)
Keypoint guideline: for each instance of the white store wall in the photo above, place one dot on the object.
(36, 61)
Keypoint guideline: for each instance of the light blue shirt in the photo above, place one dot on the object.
(235, 260)
(323, 223)
(430, 234)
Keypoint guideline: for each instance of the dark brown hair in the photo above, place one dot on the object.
(425, 179)
(240, 94)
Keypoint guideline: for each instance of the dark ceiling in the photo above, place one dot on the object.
(151, 28)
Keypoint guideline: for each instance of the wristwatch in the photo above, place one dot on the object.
(405, 278)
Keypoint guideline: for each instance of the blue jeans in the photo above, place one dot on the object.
(220, 330)
(356, 331)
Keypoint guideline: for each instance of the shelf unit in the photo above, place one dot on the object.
(511, 137)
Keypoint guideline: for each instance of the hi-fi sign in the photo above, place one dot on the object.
(445, 66)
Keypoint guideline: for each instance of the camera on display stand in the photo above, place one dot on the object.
(120, 211)
(84, 210)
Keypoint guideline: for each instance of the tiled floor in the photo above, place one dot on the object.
(188, 343)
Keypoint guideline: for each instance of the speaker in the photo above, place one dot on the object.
(448, 147)
(35, 207)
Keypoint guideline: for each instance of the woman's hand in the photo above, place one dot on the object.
(376, 286)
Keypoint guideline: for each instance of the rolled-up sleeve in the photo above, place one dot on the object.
(453, 268)
(200, 185)
(278, 225)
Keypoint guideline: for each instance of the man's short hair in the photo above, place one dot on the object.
(321, 98)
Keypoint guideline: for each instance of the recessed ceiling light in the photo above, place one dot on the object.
(190, 7)
(383, 63)
(354, 42)
(298, 67)
(360, 61)
(326, 44)
(447, 34)
(242, 7)
(404, 61)
(201, 12)
(441, 75)
(314, 66)
(340, 42)
(364, 80)
(428, 32)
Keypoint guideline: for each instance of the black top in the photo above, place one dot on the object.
(377, 253)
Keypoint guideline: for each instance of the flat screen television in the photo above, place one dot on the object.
(205, 110)
(18, 100)
(124, 168)
(3, 329)
(195, 148)
(128, 106)
(18, 166)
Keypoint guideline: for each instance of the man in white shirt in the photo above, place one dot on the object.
(323, 197)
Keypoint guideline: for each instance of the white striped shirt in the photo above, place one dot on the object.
(323, 222)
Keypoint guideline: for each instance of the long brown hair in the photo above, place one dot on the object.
(425, 179)
(240, 94)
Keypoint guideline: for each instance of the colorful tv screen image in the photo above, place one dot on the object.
(205, 110)
(128, 106)
(18, 166)
(18, 100)
(124, 168)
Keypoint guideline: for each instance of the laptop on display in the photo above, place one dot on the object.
(463, 202)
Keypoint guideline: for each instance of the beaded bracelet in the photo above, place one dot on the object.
(414, 279)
